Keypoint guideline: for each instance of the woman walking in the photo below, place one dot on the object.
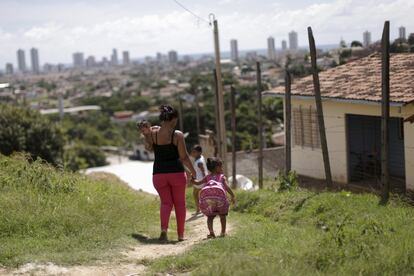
(169, 176)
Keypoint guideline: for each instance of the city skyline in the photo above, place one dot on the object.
(96, 27)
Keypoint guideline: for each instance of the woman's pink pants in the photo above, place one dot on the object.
(171, 189)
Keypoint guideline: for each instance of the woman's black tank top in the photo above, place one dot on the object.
(167, 159)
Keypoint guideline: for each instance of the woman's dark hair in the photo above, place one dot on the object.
(167, 113)
(213, 163)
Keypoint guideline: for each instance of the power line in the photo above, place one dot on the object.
(192, 13)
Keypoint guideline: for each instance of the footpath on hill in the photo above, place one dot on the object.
(133, 260)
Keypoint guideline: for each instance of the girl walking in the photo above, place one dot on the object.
(213, 196)
(169, 176)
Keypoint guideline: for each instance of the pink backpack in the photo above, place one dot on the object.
(213, 197)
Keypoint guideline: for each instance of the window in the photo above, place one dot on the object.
(305, 127)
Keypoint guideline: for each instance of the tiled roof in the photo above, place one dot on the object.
(361, 80)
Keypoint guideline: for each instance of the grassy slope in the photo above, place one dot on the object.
(302, 233)
(48, 215)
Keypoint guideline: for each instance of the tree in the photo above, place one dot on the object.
(356, 43)
(25, 130)
(82, 156)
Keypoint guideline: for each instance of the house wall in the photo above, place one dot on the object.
(409, 147)
(309, 162)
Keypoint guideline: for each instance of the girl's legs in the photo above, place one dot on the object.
(164, 191)
(210, 221)
(196, 193)
(178, 182)
(223, 220)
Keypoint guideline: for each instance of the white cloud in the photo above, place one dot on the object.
(112, 27)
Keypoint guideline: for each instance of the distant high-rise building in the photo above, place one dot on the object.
(78, 60)
(159, 57)
(125, 58)
(9, 69)
(271, 48)
(21, 60)
(367, 38)
(234, 50)
(172, 57)
(105, 62)
(90, 62)
(34, 55)
(402, 33)
(61, 67)
(284, 45)
(114, 57)
(293, 40)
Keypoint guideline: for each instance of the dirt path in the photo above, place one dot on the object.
(133, 261)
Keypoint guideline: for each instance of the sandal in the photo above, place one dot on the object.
(163, 237)
(222, 235)
(211, 236)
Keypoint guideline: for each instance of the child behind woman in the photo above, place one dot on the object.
(213, 196)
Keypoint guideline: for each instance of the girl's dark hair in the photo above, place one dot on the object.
(167, 113)
(213, 163)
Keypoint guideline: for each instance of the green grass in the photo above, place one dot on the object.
(66, 218)
(303, 233)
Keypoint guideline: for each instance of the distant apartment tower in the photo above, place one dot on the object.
(172, 57)
(125, 58)
(293, 40)
(114, 57)
(90, 62)
(284, 45)
(9, 69)
(21, 60)
(402, 33)
(34, 56)
(159, 57)
(78, 60)
(271, 48)
(234, 50)
(367, 38)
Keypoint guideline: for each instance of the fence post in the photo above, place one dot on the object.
(319, 109)
(233, 136)
(385, 113)
(288, 124)
(260, 122)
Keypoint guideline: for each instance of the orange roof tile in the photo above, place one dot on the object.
(361, 80)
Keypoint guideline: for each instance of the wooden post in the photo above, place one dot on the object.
(180, 113)
(319, 109)
(197, 106)
(288, 124)
(233, 136)
(223, 138)
(385, 104)
(260, 123)
(218, 135)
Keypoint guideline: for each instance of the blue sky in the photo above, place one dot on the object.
(59, 28)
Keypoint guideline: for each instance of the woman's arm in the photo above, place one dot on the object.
(182, 151)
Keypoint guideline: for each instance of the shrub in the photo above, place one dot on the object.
(25, 130)
(82, 156)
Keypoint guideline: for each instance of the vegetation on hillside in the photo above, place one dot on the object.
(50, 215)
(305, 233)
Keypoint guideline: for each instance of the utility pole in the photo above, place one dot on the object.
(197, 106)
(288, 124)
(385, 117)
(319, 109)
(180, 113)
(233, 136)
(260, 123)
(223, 138)
(217, 117)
